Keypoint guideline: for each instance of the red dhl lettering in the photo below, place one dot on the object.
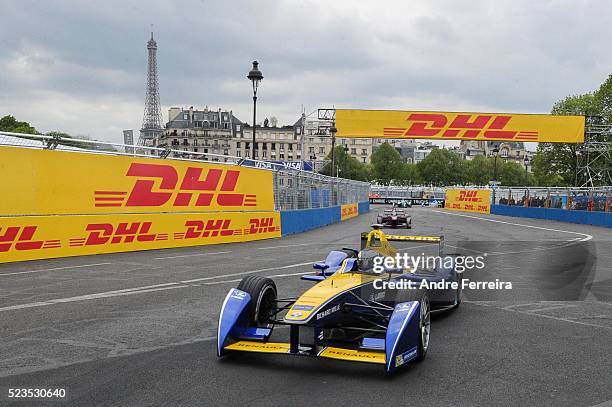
(261, 225)
(197, 187)
(465, 126)
(211, 228)
(469, 196)
(124, 232)
(22, 238)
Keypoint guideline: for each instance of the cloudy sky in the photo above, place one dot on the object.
(80, 66)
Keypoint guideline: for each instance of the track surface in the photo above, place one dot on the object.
(138, 328)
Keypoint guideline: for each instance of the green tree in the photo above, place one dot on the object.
(479, 171)
(442, 167)
(603, 100)
(10, 124)
(556, 163)
(347, 166)
(408, 175)
(510, 173)
(386, 164)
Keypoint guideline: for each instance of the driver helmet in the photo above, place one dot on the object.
(365, 260)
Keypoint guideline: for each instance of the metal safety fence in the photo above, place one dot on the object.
(293, 188)
(302, 190)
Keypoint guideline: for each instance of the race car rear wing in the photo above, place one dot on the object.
(401, 238)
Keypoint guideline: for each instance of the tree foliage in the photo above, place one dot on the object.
(386, 164)
(442, 167)
(347, 166)
(10, 124)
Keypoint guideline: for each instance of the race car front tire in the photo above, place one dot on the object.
(263, 298)
(424, 318)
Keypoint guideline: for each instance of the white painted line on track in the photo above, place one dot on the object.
(246, 272)
(584, 239)
(274, 275)
(140, 290)
(483, 304)
(55, 269)
(191, 255)
(290, 245)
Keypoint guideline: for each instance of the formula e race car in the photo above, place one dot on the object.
(354, 312)
(394, 218)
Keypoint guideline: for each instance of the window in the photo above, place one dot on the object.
(321, 150)
(185, 116)
(273, 146)
(353, 151)
(504, 153)
(264, 154)
(363, 159)
(225, 152)
(311, 149)
(364, 151)
(237, 127)
(225, 125)
(238, 153)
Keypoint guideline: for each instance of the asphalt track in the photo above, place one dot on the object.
(138, 328)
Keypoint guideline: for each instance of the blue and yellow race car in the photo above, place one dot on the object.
(354, 312)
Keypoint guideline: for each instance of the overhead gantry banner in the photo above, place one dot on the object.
(399, 124)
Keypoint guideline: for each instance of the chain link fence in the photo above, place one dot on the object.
(303, 190)
(293, 188)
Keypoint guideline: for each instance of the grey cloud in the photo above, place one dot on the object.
(508, 56)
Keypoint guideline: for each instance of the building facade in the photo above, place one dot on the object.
(201, 131)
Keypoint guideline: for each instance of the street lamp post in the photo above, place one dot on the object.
(526, 162)
(255, 77)
(333, 131)
(495, 151)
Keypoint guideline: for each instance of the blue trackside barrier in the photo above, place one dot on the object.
(561, 215)
(301, 220)
(364, 207)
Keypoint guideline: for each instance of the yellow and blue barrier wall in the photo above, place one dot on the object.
(63, 203)
(562, 215)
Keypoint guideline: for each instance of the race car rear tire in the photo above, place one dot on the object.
(263, 298)
(409, 224)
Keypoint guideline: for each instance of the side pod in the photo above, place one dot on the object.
(402, 338)
(232, 317)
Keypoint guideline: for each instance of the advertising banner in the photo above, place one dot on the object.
(468, 200)
(460, 126)
(43, 182)
(43, 237)
(349, 211)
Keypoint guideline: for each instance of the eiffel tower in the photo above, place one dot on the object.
(151, 123)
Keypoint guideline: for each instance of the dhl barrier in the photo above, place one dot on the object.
(58, 204)
(39, 237)
(44, 182)
(348, 211)
(460, 126)
(468, 200)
